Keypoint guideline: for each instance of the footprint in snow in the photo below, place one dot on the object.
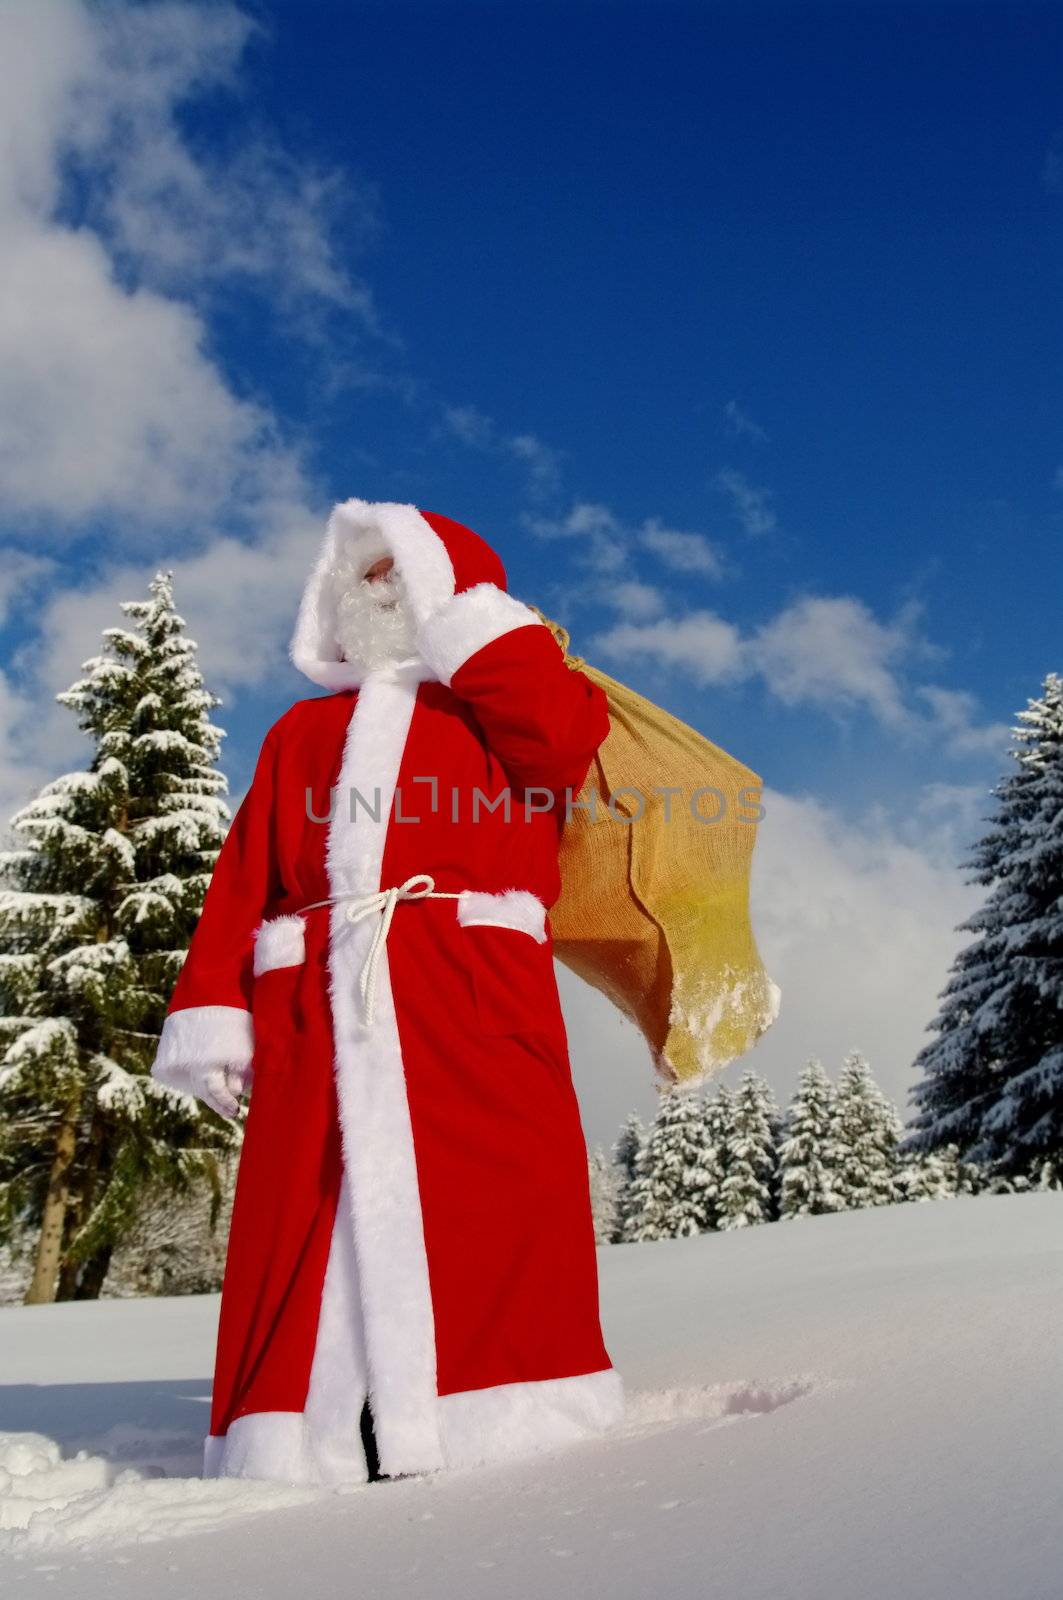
(716, 1403)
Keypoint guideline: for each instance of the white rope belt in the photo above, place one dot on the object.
(384, 901)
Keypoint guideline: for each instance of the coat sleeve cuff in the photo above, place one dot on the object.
(466, 622)
(201, 1037)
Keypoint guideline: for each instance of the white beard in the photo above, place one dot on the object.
(374, 625)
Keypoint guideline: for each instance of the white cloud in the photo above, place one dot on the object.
(20, 572)
(25, 753)
(635, 601)
(468, 424)
(681, 552)
(110, 403)
(604, 543)
(599, 539)
(831, 651)
(239, 600)
(109, 406)
(741, 424)
(474, 428)
(954, 714)
(702, 645)
(826, 651)
(542, 461)
(751, 504)
(114, 413)
(246, 210)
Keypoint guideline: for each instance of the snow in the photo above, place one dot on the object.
(864, 1404)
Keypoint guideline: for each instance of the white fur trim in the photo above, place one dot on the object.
(201, 1037)
(468, 621)
(375, 1123)
(518, 1419)
(512, 908)
(339, 1375)
(323, 1443)
(477, 1426)
(279, 942)
(273, 1445)
(370, 525)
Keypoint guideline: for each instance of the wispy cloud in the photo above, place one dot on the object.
(751, 504)
(603, 542)
(680, 551)
(474, 428)
(954, 713)
(741, 424)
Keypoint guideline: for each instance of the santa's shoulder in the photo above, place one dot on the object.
(312, 715)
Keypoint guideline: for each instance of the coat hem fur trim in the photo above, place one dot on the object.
(476, 1427)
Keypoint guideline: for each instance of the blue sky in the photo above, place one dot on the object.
(735, 328)
(607, 225)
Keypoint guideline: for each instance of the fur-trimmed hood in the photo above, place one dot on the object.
(435, 556)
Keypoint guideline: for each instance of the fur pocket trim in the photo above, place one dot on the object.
(279, 942)
(511, 908)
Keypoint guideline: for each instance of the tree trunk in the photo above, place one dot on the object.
(72, 1274)
(68, 1280)
(45, 1278)
(93, 1274)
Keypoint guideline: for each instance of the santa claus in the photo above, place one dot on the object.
(411, 1228)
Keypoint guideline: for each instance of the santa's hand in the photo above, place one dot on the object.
(221, 1088)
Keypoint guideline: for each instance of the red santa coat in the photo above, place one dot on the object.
(412, 1214)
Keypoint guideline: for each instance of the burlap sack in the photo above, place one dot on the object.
(654, 909)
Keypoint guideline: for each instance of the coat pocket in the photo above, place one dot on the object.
(277, 998)
(509, 960)
(279, 942)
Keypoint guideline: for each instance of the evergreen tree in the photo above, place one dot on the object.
(806, 1152)
(992, 1079)
(629, 1142)
(938, 1175)
(865, 1133)
(746, 1193)
(1050, 1176)
(676, 1179)
(100, 898)
(719, 1121)
(605, 1182)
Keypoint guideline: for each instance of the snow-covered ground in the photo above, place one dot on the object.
(846, 1408)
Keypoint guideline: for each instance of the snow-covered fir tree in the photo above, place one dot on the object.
(865, 1134)
(629, 1142)
(992, 1079)
(676, 1185)
(938, 1175)
(605, 1184)
(806, 1152)
(99, 900)
(747, 1190)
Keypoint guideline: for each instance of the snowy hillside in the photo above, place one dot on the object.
(864, 1405)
